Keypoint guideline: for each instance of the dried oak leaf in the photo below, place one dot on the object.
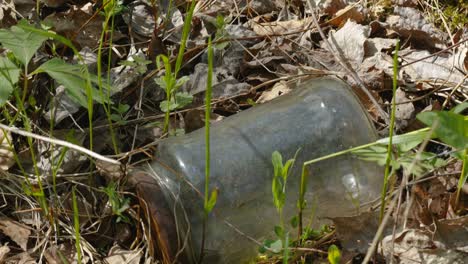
(16, 231)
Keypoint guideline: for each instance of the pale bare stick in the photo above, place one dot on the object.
(59, 142)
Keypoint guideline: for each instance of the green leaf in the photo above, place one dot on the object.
(221, 45)
(428, 162)
(185, 35)
(128, 63)
(301, 202)
(376, 153)
(167, 106)
(334, 255)
(277, 161)
(266, 245)
(122, 108)
(167, 81)
(181, 81)
(177, 132)
(220, 21)
(141, 60)
(73, 78)
(414, 137)
(115, 117)
(21, 42)
(113, 7)
(251, 102)
(286, 168)
(212, 201)
(460, 108)
(9, 76)
(161, 82)
(276, 246)
(451, 128)
(279, 231)
(294, 221)
(278, 194)
(183, 99)
(405, 157)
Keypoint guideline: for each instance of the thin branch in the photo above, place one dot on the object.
(59, 142)
(435, 53)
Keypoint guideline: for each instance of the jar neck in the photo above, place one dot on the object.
(160, 216)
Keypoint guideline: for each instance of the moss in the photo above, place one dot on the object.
(455, 14)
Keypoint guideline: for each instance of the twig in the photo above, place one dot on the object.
(378, 234)
(454, 90)
(237, 230)
(435, 53)
(59, 142)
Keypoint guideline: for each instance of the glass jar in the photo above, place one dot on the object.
(319, 117)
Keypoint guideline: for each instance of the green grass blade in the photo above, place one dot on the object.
(76, 221)
(391, 130)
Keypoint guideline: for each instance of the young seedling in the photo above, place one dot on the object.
(278, 188)
(210, 200)
(334, 255)
(170, 82)
(76, 221)
(111, 8)
(391, 131)
(118, 203)
(301, 203)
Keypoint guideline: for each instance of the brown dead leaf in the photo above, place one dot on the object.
(376, 45)
(111, 172)
(22, 258)
(405, 110)
(437, 68)
(279, 27)
(411, 24)
(350, 41)
(4, 250)
(76, 24)
(351, 12)
(195, 119)
(63, 254)
(25, 7)
(453, 232)
(260, 7)
(418, 246)
(118, 255)
(278, 89)
(459, 207)
(330, 7)
(142, 18)
(16, 231)
(7, 14)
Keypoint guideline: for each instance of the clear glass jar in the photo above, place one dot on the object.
(320, 116)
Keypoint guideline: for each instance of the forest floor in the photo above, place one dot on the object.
(83, 90)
